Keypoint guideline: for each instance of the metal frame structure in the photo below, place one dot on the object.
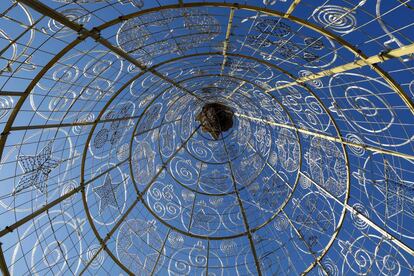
(156, 70)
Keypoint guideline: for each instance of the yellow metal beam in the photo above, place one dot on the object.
(236, 89)
(227, 39)
(291, 8)
(381, 57)
(329, 138)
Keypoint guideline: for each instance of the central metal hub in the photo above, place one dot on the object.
(215, 118)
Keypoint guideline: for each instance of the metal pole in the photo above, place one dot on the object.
(227, 39)
(208, 256)
(33, 127)
(381, 57)
(291, 8)
(242, 210)
(159, 255)
(3, 265)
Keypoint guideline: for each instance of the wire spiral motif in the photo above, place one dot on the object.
(337, 18)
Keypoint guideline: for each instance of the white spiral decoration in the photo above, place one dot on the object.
(281, 223)
(123, 152)
(337, 18)
(359, 223)
(305, 183)
(85, 118)
(79, 16)
(317, 83)
(99, 259)
(358, 151)
(6, 103)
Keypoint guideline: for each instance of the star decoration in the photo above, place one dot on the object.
(107, 194)
(144, 233)
(202, 220)
(136, 239)
(398, 193)
(36, 169)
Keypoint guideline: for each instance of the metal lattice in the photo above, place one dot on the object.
(106, 169)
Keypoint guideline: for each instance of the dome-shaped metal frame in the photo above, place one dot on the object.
(106, 169)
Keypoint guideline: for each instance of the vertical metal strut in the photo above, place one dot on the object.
(3, 265)
(159, 255)
(291, 8)
(227, 39)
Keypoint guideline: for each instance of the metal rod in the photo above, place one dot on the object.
(362, 217)
(304, 241)
(32, 127)
(330, 138)
(291, 8)
(159, 255)
(12, 93)
(208, 256)
(227, 39)
(3, 264)
(242, 210)
(235, 89)
(381, 57)
(11, 228)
